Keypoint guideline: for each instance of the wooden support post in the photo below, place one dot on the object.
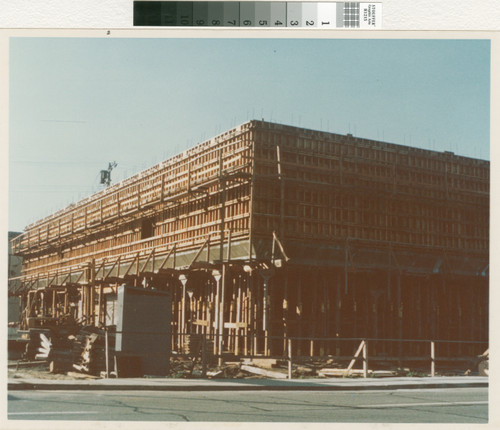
(182, 330)
(433, 359)
(230, 340)
(355, 309)
(338, 303)
(238, 318)
(325, 311)
(246, 321)
(298, 313)
(221, 310)
(253, 313)
(346, 262)
(472, 319)
(179, 320)
(84, 301)
(285, 309)
(459, 316)
(420, 312)
(217, 276)
(314, 313)
(207, 308)
(101, 303)
(355, 357)
(229, 246)
(91, 309)
(266, 275)
(289, 358)
(400, 320)
(66, 301)
(449, 310)
(26, 312)
(265, 314)
(54, 303)
(365, 359)
(204, 356)
(106, 346)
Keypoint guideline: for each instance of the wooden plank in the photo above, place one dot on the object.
(356, 355)
(263, 372)
(235, 325)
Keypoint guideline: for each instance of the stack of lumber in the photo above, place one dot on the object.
(44, 348)
(61, 357)
(38, 348)
(89, 352)
(192, 344)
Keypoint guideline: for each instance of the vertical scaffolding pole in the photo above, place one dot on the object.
(54, 303)
(285, 309)
(338, 307)
(183, 279)
(266, 275)
(66, 300)
(221, 315)
(101, 301)
(217, 276)
(433, 359)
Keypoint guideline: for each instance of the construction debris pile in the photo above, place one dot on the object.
(80, 352)
(275, 368)
(70, 348)
(89, 351)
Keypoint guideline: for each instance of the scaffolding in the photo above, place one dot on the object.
(270, 231)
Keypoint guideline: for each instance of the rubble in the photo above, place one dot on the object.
(80, 352)
(68, 348)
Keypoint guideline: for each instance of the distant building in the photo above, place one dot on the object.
(270, 231)
(14, 268)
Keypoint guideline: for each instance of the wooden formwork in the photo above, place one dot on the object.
(269, 231)
(313, 185)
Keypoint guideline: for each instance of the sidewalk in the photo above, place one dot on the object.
(170, 384)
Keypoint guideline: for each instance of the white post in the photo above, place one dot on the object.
(183, 280)
(217, 276)
(289, 358)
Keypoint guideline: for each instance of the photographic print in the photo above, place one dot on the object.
(287, 229)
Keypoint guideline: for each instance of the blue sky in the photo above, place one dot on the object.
(78, 103)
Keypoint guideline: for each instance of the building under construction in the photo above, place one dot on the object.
(268, 232)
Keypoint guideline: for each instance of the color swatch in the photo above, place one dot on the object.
(263, 14)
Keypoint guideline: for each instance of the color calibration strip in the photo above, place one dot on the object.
(260, 14)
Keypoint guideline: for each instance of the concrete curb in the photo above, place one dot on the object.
(243, 385)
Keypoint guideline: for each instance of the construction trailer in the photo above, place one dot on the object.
(267, 232)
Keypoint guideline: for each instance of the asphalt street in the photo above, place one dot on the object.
(456, 405)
